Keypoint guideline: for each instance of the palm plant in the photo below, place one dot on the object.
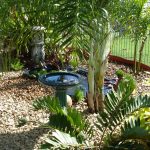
(85, 25)
(136, 24)
(119, 106)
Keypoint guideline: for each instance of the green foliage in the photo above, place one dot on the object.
(132, 136)
(22, 122)
(127, 85)
(17, 21)
(78, 95)
(47, 103)
(128, 79)
(37, 72)
(144, 115)
(119, 106)
(120, 73)
(64, 119)
(16, 65)
(119, 129)
(63, 140)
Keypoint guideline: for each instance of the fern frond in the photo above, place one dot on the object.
(48, 103)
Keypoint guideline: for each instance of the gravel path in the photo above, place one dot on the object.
(16, 98)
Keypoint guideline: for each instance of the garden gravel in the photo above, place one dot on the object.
(16, 97)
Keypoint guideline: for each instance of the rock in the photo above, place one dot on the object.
(69, 101)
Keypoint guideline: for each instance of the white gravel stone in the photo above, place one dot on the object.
(16, 98)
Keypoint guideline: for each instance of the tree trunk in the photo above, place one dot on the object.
(96, 83)
(90, 95)
(135, 54)
(100, 49)
(99, 82)
(140, 53)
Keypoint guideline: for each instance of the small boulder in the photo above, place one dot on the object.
(69, 101)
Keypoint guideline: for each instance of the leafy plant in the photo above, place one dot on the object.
(16, 64)
(125, 78)
(120, 73)
(78, 95)
(144, 115)
(61, 140)
(48, 103)
(118, 129)
(22, 122)
(75, 60)
(119, 106)
(65, 119)
(130, 83)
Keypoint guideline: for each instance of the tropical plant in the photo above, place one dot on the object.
(61, 140)
(16, 64)
(120, 73)
(118, 128)
(18, 20)
(133, 18)
(85, 26)
(78, 95)
(65, 119)
(119, 106)
(144, 115)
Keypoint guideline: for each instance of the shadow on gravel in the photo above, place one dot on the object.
(21, 141)
(18, 83)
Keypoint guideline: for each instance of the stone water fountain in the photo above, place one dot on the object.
(61, 81)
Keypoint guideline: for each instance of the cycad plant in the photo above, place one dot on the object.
(118, 128)
(84, 25)
(65, 119)
(116, 124)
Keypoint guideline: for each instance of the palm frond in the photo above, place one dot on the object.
(132, 130)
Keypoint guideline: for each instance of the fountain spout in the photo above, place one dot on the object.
(61, 78)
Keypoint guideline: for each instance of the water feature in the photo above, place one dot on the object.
(108, 83)
(61, 81)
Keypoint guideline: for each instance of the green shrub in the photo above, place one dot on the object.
(78, 95)
(120, 73)
(65, 119)
(116, 124)
(16, 65)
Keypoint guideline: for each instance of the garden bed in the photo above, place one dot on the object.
(16, 98)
